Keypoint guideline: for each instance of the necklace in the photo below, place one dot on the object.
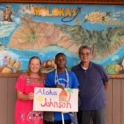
(57, 80)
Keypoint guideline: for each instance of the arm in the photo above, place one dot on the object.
(50, 81)
(20, 89)
(105, 78)
(75, 81)
(24, 97)
(4, 13)
(106, 84)
(13, 13)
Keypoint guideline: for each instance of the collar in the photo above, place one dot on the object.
(90, 66)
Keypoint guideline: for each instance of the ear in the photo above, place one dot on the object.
(91, 56)
(66, 60)
(79, 56)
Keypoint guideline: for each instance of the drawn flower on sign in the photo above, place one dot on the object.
(40, 98)
(97, 17)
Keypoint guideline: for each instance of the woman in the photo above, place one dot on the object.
(25, 85)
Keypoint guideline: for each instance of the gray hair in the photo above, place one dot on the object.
(84, 47)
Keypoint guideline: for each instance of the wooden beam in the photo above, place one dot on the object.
(111, 76)
(68, 1)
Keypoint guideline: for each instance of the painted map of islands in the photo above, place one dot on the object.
(36, 35)
(24, 35)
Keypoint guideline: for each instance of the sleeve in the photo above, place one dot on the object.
(72, 69)
(20, 83)
(43, 77)
(105, 77)
(75, 82)
(49, 80)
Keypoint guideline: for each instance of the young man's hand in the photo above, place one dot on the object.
(60, 86)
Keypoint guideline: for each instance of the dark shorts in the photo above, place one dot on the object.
(58, 122)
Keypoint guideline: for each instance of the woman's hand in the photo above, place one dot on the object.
(31, 96)
(25, 97)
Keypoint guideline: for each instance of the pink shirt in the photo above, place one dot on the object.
(24, 113)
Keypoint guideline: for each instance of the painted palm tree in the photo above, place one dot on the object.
(69, 91)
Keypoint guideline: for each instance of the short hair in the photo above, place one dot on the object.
(8, 6)
(84, 47)
(29, 71)
(58, 54)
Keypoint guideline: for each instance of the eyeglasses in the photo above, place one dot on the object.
(84, 54)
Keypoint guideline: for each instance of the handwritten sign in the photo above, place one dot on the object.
(55, 99)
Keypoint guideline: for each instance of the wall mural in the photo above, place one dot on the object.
(43, 30)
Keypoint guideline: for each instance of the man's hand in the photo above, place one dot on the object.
(60, 86)
(106, 84)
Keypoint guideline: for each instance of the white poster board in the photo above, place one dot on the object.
(55, 99)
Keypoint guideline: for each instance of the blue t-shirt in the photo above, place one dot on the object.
(92, 92)
(73, 83)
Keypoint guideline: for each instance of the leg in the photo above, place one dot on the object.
(67, 121)
(55, 122)
(85, 119)
(75, 117)
(79, 116)
(98, 116)
(58, 122)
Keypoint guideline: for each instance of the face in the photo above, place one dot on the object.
(60, 61)
(85, 55)
(34, 65)
(8, 8)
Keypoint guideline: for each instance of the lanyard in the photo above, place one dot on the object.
(66, 80)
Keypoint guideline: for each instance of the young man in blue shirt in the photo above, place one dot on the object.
(60, 78)
(93, 82)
